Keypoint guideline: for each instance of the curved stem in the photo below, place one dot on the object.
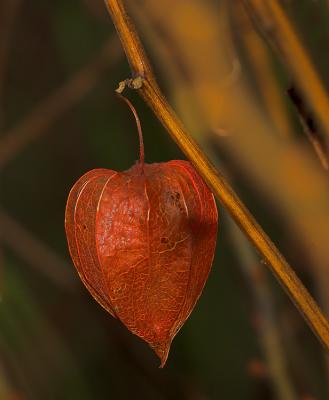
(151, 93)
(139, 128)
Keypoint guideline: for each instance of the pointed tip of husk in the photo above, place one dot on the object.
(162, 351)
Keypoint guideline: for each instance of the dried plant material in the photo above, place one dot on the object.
(272, 17)
(152, 95)
(143, 242)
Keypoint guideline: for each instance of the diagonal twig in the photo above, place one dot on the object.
(34, 252)
(271, 20)
(60, 101)
(309, 127)
(267, 326)
(151, 93)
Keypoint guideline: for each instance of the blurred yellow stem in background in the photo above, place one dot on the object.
(276, 24)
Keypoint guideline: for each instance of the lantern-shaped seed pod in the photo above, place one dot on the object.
(143, 242)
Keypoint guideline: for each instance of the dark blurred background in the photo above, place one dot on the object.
(227, 67)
